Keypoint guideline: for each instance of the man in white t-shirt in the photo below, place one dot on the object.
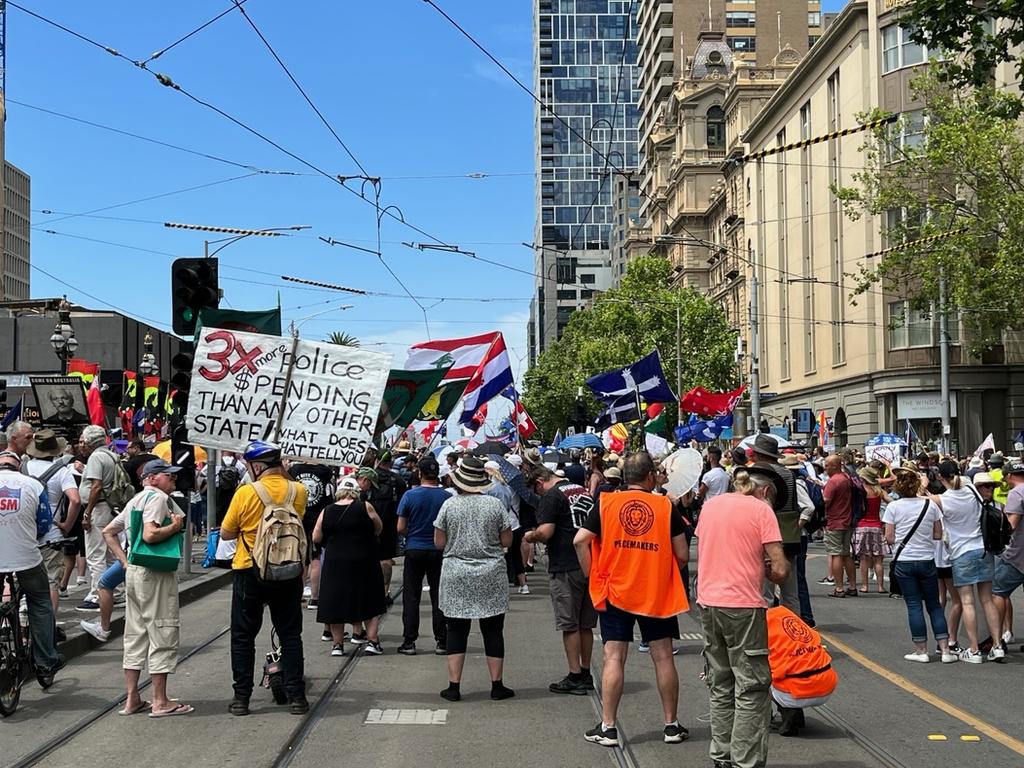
(715, 481)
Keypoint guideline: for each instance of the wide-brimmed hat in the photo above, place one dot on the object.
(984, 478)
(533, 456)
(471, 477)
(612, 459)
(766, 445)
(976, 462)
(46, 445)
(791, 460)
(869, 475)
(403, 447)
(774, 473)
(613, 473)
(369, 473)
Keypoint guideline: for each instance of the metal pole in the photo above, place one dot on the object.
(679, 356)
(755, 354)
(211, 489)
(944, 365)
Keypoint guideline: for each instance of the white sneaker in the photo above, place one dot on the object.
(95, 629)
(971, 657)
(80, 580)
(307, 592)
(921, 656)
(1007, 637)
(997, 654)
(524, 590)
(949, 658)
(874, 576)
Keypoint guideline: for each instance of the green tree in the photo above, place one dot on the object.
(963, 181)
(623, 325)
(343, 339)
(975, 36)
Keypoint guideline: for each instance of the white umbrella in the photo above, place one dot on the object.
(683, 468)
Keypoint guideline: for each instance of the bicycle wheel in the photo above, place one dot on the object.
(10, 661)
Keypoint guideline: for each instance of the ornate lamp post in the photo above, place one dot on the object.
(148, 366)
(63, 339)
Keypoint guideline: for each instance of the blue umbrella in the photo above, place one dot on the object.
(580, 441)
(886, 438)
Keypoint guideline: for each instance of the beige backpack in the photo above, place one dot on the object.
(279, 552)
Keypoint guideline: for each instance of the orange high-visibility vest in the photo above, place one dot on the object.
(800, 664)
(633, 565)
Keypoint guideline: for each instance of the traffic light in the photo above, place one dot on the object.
(181, 378)
(3, 391)
(194, 286)
(183, 455)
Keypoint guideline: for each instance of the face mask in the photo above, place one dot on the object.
(228, 461)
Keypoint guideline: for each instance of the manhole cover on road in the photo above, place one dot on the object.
(406, 717)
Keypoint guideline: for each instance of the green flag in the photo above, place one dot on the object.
(405, 395)
(443, 401)
(656, 426)
(266, 321)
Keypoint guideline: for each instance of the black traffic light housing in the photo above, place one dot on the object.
(183, 455)
(181, 377)
(3, 391)
(194, 286)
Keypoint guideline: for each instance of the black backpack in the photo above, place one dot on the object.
(995, 528)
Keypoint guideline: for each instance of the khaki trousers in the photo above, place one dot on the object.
(737, 673)
(151, 620)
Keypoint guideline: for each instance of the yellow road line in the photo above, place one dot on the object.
(1008, 741)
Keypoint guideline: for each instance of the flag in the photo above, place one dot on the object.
(13, 414)
(823, 428)
(266, 321)
(704, 403)
(911, 437)
(405, 394)
(478, 367)
(95, 402)
(655, 424)
(510, 393)
(622, 411)
(703, 430)
(644, 378)
(478, 419)
(988, 444)
(1019, 438)
(83, 369)
(524, 424)
(428, 431)
(557, 441)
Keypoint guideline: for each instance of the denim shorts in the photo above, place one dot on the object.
(1007, 579)
(973, 567)
(617, 624)
(113, 577)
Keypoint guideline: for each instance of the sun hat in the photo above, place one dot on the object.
(791, 460)
(984, 478)
(158, 466)
(766, 445)
(868, 474)
(613, 473)
(369, 473)
(46, 445)
(976, 462)
(471, 476)
(403, 447)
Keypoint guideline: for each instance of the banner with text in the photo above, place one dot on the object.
(316, 400)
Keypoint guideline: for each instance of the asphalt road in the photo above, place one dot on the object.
(386, 710)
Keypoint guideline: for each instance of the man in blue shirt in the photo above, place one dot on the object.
(416, 514)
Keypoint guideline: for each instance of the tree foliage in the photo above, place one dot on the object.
(964, 180)
(343, 339)
(623, 325)
(975, 36)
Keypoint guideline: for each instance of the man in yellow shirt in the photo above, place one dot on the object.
(250, 594)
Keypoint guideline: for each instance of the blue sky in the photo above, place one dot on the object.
(413, 100)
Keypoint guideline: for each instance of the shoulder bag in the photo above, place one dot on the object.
(894, 584)
(162, 556)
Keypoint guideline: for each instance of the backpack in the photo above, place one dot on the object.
(279, 552)
(121, 491)
(858, 498)
(817, 521)
(995, 528)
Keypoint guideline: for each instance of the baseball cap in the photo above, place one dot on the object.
(158, 466)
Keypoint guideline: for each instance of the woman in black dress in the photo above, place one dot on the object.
(351, 581)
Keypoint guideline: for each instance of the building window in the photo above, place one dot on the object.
(918, 327)
(716, 128)
(588, 279)
(742, 44)
(740, 19)
(812, 39)
(898, 50)
(567, 295)
(814, 18)
(805, 121)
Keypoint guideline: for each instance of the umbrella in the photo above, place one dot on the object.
(683, 469)
(466, 443)
(748, 441)
(491, 447)
(163, 451)
(555, 457)
(886, 438)
(580, 441)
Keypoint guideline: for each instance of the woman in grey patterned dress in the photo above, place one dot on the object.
(473, 531)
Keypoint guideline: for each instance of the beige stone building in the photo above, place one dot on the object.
(871, 363)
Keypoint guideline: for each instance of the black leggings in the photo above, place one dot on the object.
(492, 628)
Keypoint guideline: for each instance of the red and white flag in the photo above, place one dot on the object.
(524, 424)
(94, 400)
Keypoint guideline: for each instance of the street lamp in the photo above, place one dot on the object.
(63, 339)
(148, 366)
(294, 326)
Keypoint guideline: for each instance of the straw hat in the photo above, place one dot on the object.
(869, 475)
(613, 473)
(984, 478)
(46, 445)
(471, 477)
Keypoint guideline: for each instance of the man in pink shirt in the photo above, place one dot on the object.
(739, 544)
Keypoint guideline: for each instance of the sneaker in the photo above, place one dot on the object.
(312, 604)
(921, 656)
(949, 658)
(44, 675)
(88, 606)
(1007, 637)
(569, 686)
(338, 649)
(307, 592)
(524, 590)
(373, 649)
(827, 580)
(529, 568)
(675, 733)
(997, 654)
(95, 629)
(239, 706)
(972, 657)
(587, 681)
(326, 637)
(606, 737)
(80, 580)
(643, 647)
(407, 649)
(359, 638)
(62, 592)
(440, 649)
(299, 705)
(954, 647)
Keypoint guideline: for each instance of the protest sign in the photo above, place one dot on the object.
(316, 400)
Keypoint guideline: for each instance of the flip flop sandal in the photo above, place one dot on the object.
(851, 593)
(837, 593)
(129, 712)
(179, 709)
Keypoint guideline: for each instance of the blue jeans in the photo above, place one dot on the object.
(35, 584)
(920, 583)
(801, 582)
(197, 513)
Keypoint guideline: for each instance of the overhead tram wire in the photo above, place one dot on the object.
(197, 30)
(104, 302)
